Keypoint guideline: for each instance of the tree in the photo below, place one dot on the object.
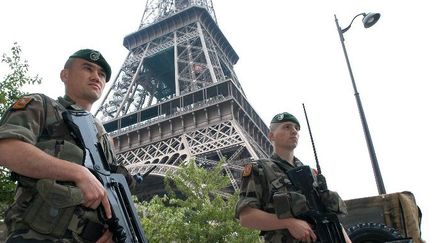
(7, 188)
(9, 92)
(16, 79)
(195, 209)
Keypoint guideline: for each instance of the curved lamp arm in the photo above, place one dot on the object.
(349, 26)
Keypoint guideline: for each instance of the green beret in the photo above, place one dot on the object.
(284, 117)
(94, 57)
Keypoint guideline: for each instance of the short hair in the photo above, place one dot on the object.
(69, 62)
(274, 126)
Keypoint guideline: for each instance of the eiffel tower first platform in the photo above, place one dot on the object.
(177, 98)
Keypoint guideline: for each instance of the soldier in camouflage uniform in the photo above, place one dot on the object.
(57, 197)
(265, 178)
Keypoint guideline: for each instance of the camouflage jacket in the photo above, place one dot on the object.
(40, 211)
(262, 180)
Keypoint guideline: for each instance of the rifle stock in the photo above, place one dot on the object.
(124, 224)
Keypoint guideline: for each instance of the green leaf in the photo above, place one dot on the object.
(201, 214)
(15, 79)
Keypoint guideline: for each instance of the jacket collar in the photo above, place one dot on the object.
(68, 103)
(283, 163)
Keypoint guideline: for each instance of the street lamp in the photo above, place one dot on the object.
(368, 20)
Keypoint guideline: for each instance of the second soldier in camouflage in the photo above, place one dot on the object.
(265, 183)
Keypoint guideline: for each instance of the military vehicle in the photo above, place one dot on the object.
(391, 217)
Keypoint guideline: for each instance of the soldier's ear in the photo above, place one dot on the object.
(270, 135)
(64, 75)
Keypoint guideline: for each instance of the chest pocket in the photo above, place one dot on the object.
(282, 198)
(276, 179)
(62, 149)
(56, 139)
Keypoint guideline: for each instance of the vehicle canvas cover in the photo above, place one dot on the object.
(397, 210)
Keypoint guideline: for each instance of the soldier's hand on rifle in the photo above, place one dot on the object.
(300, 230)
(93, 192)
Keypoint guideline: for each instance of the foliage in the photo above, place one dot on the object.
(201, 212)
(9, 92)
(7, 188)
(17, 78)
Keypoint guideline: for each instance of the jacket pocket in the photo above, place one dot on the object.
(71, 152)
(62, 149)
(299, 204)
(52, 207)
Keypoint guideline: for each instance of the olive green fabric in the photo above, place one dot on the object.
(268, 188)
(24, 124)
(333, 202)
(45, 207)
(31, 236)
(398, 210)
(257, 190)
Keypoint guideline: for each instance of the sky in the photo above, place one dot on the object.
(290, 54)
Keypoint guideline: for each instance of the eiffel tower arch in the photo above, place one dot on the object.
(177, 97)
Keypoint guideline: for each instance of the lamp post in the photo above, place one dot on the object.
(368, 20)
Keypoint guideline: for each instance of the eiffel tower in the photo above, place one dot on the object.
(177, 98)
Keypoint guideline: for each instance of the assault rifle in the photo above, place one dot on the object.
(325, 224)
(124, 223)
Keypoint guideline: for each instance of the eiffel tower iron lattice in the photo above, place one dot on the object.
(177, 97)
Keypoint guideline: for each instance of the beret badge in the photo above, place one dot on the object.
(94, 55)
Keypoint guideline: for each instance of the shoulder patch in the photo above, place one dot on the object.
(247, 170)
(22, 103)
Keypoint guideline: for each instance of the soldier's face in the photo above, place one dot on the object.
(285, 136)
(84, 80)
